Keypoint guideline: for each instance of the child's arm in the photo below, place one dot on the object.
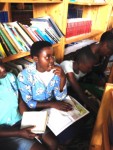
(22, 106)
(59, 71)
(12, 132)
(78, 91)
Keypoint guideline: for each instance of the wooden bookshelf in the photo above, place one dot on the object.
(105, 112)
(99, 13)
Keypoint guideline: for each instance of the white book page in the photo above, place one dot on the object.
(57, 121)
(60, 120)
(38, 119)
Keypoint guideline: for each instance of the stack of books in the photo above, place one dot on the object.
(16, 37)
(78, 26)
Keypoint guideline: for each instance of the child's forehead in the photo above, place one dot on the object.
(47, 50)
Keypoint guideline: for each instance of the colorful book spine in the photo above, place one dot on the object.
(2, 51)
(8, 42)
(12, 36)
(17, 26)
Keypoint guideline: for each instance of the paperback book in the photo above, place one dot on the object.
(58, 120)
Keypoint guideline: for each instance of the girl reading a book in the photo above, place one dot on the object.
(43, 83)
(11, 136)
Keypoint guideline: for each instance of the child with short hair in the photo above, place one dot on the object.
(11, 136)
(43, 83)
(74, 70)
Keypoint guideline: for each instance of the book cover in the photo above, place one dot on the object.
(28, 30)
(17, 26)
(11, 48)
(35, 119)
(2, 51)
(9, 38)
(5, 47)
(10, 32)
(50, 23)
(43, 35)
(58, 120)
(20, 38)
(45, 28)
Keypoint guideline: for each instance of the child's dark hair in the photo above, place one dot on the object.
(84, 55)
(108, 37)
(38, 46)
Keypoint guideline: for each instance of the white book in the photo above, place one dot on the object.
(38, 119)
(58, 120)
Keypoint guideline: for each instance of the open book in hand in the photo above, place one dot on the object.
(58, 120)
(38, 119)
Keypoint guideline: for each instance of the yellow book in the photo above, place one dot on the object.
(2, 52)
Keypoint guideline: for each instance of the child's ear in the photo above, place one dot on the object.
(35, 58)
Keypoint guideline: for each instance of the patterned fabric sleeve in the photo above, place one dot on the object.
(59, 95)
(25, 90)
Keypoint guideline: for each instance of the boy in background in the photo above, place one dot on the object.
(76, 69)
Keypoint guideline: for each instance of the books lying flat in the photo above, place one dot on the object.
(38, 119)
(58, 120)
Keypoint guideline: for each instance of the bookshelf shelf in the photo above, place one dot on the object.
(82, 36)
(20, 55)
(88, 3)
(15, 56)
(31, 1)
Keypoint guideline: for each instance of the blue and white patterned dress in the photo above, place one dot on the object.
(33, 89)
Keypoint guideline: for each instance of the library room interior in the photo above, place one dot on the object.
(56, 61)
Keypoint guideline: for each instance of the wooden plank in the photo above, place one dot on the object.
(110, 79)
(31, 1)
(88, 3)
(103, 113)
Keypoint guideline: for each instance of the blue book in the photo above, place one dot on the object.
(44, 36)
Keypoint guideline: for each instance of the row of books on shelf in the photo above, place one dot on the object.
(18, 65)
(78, 26)
(16, 37)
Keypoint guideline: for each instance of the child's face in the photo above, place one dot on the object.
(45, 60)
(2, 71)
(105, 51)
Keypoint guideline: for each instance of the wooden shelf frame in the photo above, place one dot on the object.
(20, 55)
(31, 1)
(88, 3)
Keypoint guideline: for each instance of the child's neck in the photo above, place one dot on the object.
(95, 48)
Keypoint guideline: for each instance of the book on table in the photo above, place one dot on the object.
(38, 119)
(58, 120)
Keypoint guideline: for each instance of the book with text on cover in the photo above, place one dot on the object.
(38, 119)
(58, 120)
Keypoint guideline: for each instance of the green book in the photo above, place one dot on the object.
(13, 51)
